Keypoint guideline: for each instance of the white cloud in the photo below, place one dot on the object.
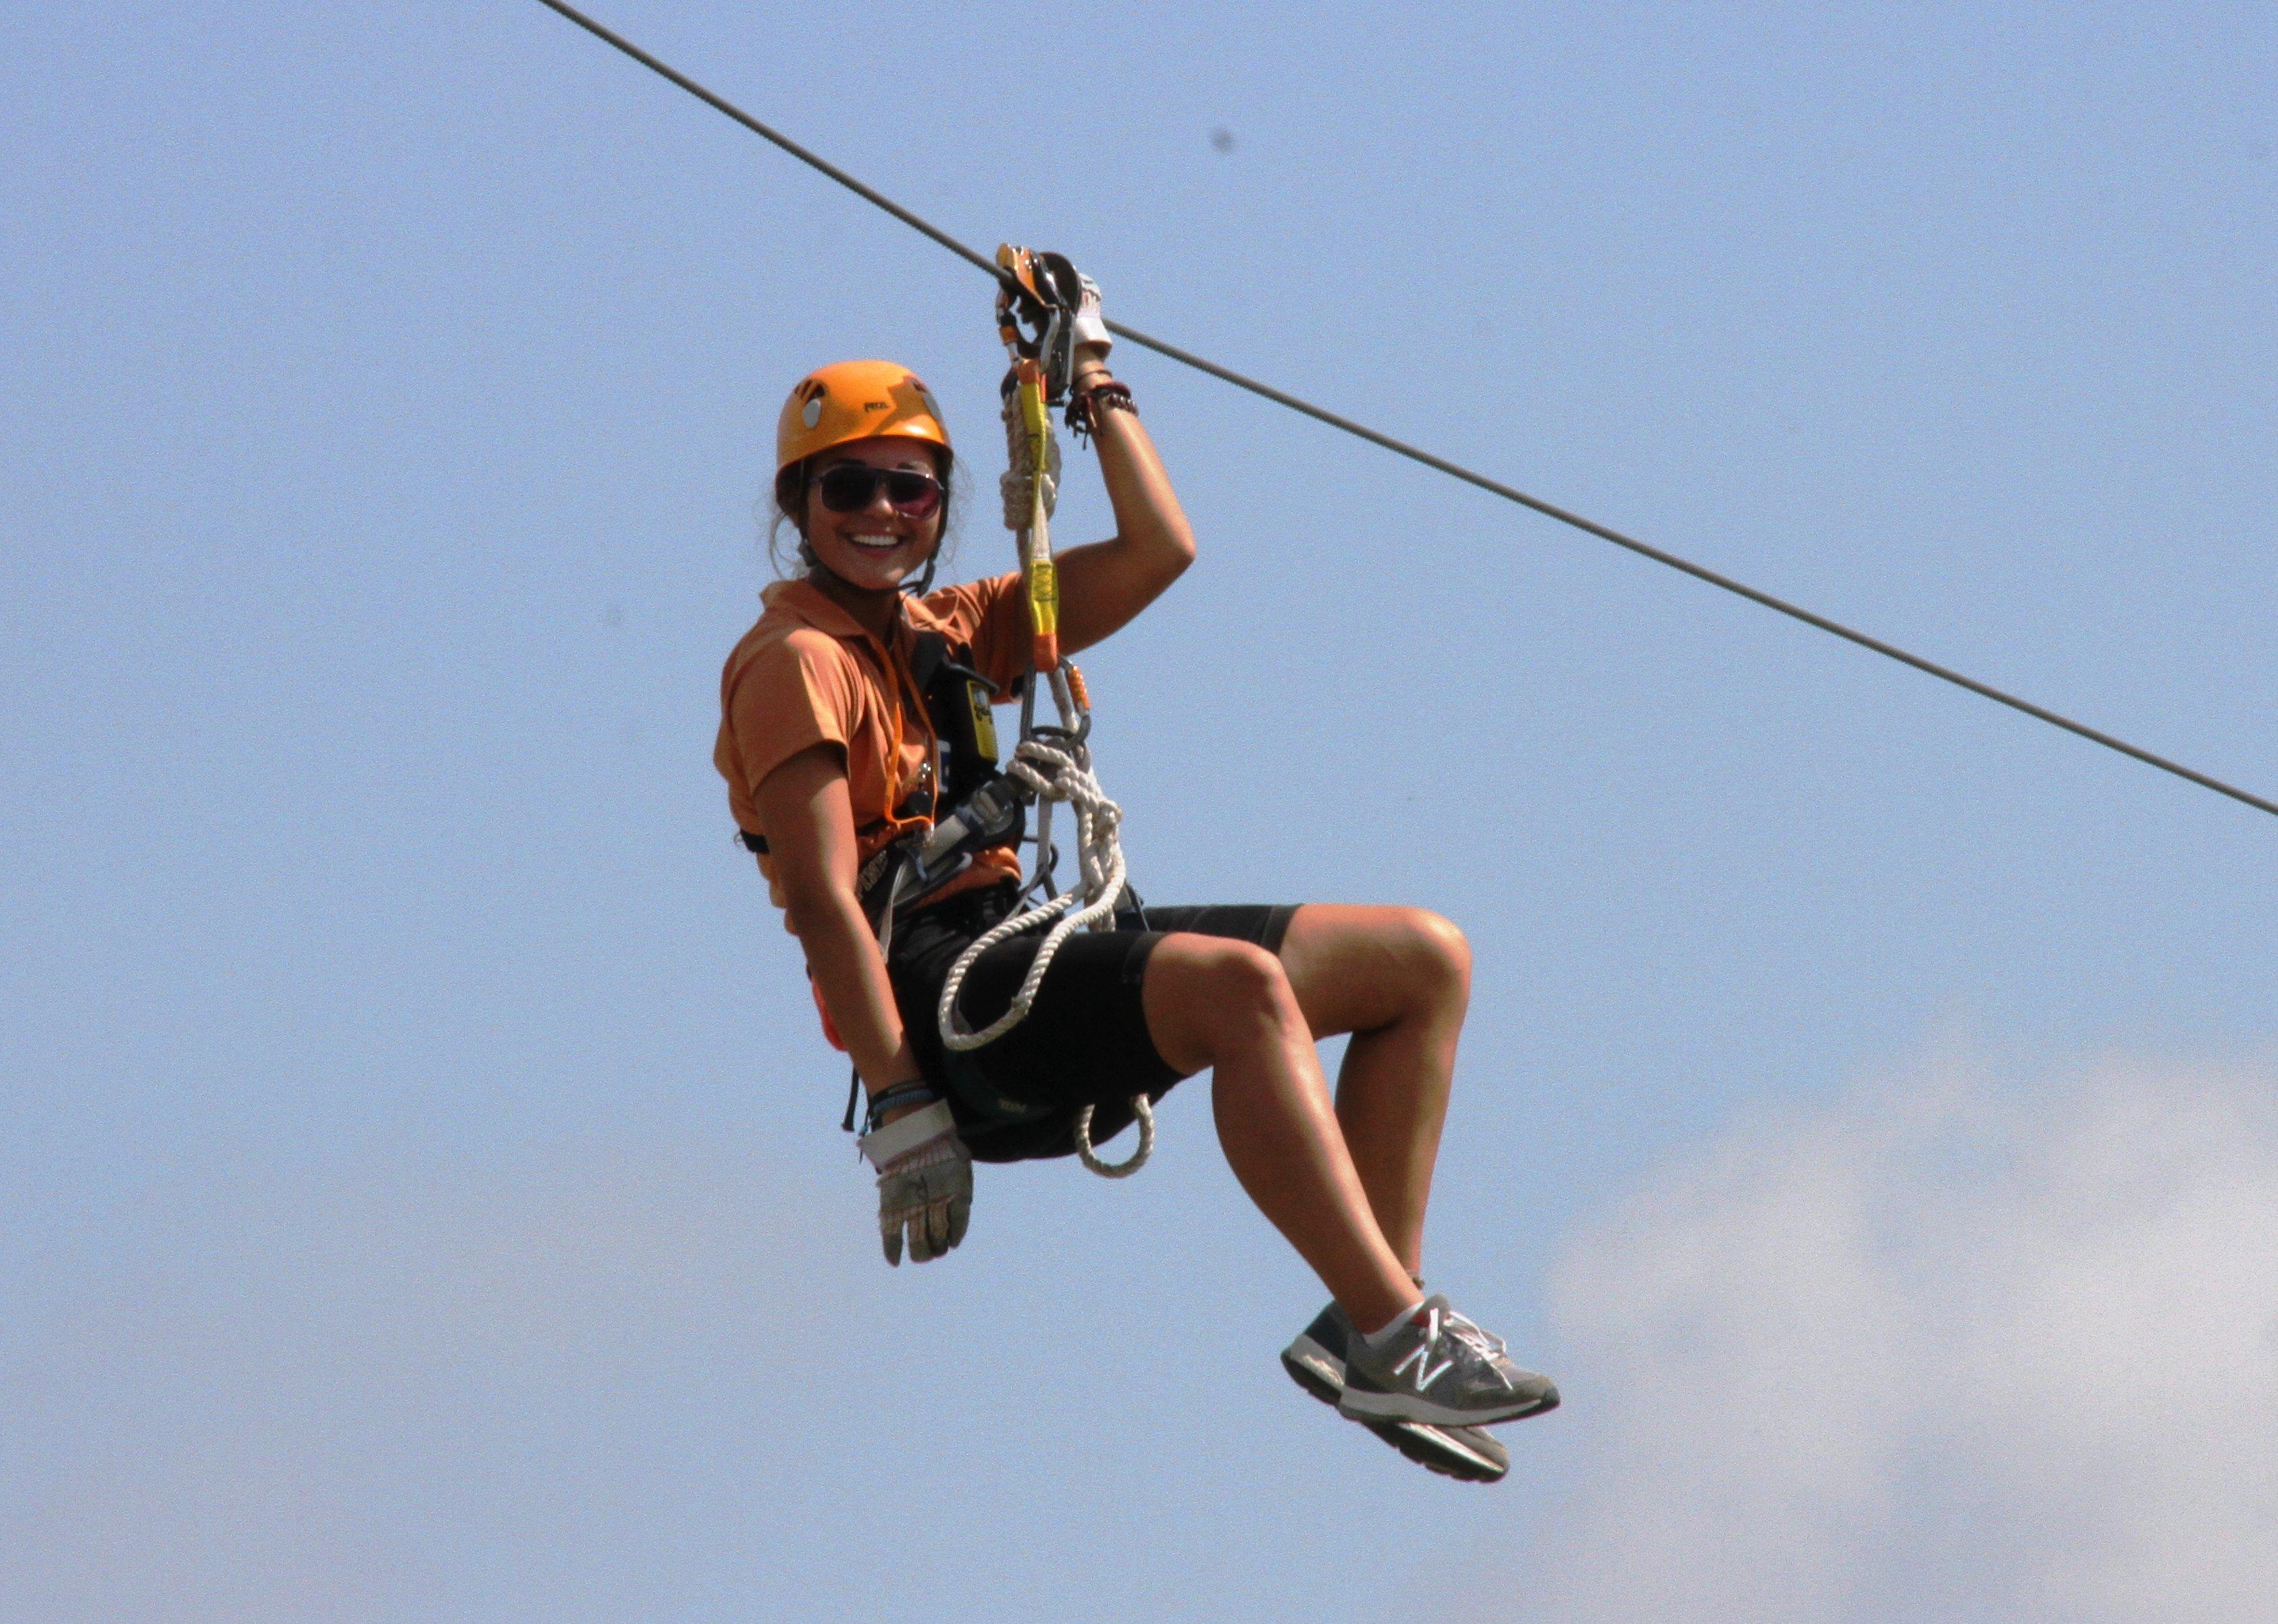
(1962, 1347)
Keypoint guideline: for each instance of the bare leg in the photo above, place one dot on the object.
(1399, 980)
(1227, 1005)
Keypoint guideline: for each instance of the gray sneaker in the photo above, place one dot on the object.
(1440, 1368)
(1316, 1362)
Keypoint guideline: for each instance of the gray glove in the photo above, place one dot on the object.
(1090, 325)
(928, 1194)
(925, 1184)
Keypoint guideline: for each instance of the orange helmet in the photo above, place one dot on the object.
(855, 400)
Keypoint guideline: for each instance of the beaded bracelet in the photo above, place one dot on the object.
(1085, 405)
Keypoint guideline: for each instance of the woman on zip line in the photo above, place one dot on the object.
(851, 713)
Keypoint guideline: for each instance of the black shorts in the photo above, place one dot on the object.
(1085, 1040)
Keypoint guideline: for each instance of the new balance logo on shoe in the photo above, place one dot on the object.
(1426, 1375)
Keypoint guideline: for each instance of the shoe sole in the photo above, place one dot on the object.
(1427, 1445)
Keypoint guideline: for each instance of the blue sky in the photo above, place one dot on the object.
(420, 1191)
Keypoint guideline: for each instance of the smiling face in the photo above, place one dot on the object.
(875, 549)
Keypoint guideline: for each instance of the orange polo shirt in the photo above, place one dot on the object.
(806, 674)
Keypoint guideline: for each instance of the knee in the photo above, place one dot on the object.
(1212, 996)
(1435, 952)
(1243, 982)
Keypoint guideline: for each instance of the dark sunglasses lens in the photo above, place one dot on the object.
(847, 488)
(914, 494)
(850, 487)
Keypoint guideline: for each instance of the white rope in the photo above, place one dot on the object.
(1144, 1115)
(1055, 772)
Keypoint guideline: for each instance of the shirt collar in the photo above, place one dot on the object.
(805, 601)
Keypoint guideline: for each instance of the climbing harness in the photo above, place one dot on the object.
(1035, 310)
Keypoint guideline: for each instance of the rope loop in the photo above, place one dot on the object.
(1144, 1114)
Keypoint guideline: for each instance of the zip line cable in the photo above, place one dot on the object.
(1457, 470)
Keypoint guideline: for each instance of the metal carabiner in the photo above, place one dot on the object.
(1036, 300)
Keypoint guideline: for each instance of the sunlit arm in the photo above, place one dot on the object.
(809, 824)
(1104, 585)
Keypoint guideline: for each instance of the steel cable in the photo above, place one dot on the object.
(1699, 572)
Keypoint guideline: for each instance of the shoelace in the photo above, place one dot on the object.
(1471, 1335)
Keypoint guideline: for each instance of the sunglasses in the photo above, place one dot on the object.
(849, 487)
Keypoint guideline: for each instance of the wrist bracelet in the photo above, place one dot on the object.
(1084, 406)
(917, 1091)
